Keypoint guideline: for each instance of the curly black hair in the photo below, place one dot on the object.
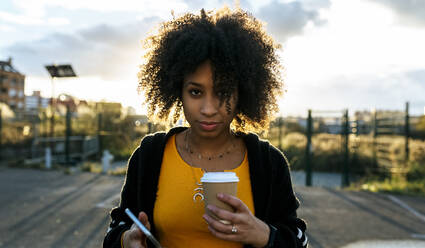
(242, 55)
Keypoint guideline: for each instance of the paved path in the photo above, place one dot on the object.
(336, 218)
(51, 209)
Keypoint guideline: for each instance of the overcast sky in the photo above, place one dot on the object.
(337, 53)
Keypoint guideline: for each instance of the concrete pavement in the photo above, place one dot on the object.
(52, 209)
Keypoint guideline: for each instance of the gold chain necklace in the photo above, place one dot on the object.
(200, 156)
(198, 191)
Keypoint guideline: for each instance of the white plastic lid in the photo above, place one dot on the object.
(219, 177)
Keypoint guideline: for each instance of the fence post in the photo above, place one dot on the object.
(375, 134)
(346, 132)
(407, 134)
(45, 128)
(48, 158)
(308, 150)
(67, 134)
(357, 127)
(99, 134)
(52, 122)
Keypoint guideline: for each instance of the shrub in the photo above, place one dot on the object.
(293, 146)
(416, 171)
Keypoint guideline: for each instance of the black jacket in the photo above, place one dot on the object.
(274, 200)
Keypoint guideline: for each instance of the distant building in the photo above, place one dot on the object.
(129, 111)
(114, 109)
(332, 125)
(299, 120)
(33, 104)
(83, 103)
(36, 101)
(12, 87)
(67, 101)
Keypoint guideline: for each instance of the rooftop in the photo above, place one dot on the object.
(7, 66)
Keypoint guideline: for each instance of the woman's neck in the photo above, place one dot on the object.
(210, 145)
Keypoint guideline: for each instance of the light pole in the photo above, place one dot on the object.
(68, 101)
(57, 71)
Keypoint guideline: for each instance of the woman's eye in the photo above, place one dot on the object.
(195, 92)
(221, 93)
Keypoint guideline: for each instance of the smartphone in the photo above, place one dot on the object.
(142, 228)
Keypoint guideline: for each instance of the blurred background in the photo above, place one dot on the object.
(351, 118)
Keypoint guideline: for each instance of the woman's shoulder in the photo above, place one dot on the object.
(159, 138)
(152, 145)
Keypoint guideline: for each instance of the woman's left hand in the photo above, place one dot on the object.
(245, 227)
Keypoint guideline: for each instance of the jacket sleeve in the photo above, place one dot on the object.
(289, 229)
(120, 222)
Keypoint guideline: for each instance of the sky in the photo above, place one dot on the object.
(337, 54)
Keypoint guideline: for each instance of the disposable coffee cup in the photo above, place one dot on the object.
(218, 182)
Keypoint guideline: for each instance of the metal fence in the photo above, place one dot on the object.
(66, 150)
(75, 136)
(378, 141)
(321, 142)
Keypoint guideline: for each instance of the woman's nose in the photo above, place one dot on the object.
(210, 106)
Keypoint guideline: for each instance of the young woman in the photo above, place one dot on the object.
(221, 70)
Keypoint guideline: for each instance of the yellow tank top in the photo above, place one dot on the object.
(177, 218)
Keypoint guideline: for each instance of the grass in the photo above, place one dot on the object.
(395, 185)
(327, 156)
(121, 171)
(96, 167)
(93, 167)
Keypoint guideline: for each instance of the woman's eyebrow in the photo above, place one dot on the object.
(193, 83)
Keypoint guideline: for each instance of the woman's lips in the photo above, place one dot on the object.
(208, 126)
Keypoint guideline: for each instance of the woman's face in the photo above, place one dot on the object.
(207, 116)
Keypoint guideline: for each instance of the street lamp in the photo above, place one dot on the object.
(57, 71)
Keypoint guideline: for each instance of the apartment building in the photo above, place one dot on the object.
(12, 86)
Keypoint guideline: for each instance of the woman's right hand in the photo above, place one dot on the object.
(135, 238)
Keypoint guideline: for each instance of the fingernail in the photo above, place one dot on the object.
(220, 195)
(210, 207)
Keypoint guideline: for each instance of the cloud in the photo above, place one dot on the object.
(114, 51)
(57, 21)
(196, 5)
(409, 12)
(363, 91)
(146, 7)
(289, 19)
(111, 52)
(27, 20)
(6, 28)
(20, 19)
